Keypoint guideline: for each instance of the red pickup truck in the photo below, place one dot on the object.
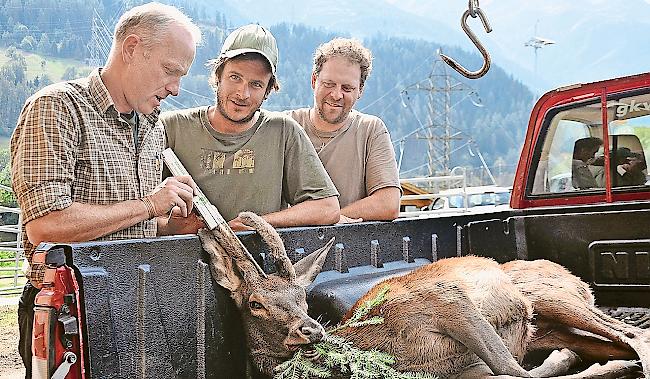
(581, 198)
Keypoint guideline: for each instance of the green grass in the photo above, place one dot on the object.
(9, 282)
(54, 67)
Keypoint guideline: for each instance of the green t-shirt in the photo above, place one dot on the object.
(264, 169)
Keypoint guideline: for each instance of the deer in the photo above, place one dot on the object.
(462, 317)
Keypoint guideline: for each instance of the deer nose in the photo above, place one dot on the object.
(312, 332)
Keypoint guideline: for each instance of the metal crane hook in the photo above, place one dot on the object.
(473, 11)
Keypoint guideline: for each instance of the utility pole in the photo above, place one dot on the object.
(438, 132)
(100, 41)
(537, 43)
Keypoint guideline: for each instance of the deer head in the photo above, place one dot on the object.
(273, 308)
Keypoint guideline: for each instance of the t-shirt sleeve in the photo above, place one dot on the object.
(305, 177)
(169, 121)
(381, 167)
(43, 151)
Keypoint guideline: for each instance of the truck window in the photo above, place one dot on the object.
(569, 156)
(572, 154)
(629, 129)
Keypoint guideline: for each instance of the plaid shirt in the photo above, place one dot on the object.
(70, 145)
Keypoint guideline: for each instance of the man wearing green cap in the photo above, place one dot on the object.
(245, 158)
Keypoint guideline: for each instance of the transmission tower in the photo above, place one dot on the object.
(537, 43)
(438, 131)
(100, 41)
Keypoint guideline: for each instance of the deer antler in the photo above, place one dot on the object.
(273, 240)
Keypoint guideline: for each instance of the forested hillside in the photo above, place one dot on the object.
(64, 29)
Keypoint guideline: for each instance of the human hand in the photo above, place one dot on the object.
(184, 225)
(173, 194)
(634, 164)
(237, 226)
(347, 220)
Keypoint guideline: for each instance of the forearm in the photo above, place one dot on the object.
(85, 222)
(381, 205)
(311, 212)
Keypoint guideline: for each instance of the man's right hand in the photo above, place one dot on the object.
(174, 194)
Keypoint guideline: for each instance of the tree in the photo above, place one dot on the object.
(70, 73)
(28, 43)
(44, 46)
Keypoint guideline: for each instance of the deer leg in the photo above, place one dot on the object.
(465, 323)
(589, 347)
(566, 301)
(610, 370)
(557, 363)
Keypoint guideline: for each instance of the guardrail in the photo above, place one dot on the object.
(13, 272)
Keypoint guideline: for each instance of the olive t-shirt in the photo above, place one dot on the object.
(264, 169)
(359, 157)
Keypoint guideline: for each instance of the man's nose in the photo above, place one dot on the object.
(244, 91)
(336, 93)
(173, 87)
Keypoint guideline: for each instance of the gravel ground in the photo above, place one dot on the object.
(11, 366)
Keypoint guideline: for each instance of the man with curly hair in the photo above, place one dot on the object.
(355, 148)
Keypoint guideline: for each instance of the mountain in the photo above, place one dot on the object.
(595, 39)
(393, 92)
(361, 18)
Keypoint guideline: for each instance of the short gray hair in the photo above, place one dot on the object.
(151, 21)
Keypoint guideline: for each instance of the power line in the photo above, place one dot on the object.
(398, 85)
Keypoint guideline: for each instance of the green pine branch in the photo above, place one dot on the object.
(339, 355)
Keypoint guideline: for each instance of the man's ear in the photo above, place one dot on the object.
(313, 80)
(129, 47)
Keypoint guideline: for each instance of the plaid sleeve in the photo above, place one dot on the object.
(43, 157)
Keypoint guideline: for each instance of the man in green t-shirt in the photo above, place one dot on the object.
(355, 148)
(245, 158)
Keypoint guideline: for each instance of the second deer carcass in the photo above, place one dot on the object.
(465, 317)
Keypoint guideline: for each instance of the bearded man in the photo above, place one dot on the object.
(355, 148)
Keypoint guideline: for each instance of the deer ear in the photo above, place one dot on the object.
(221, 264)
(308, 268)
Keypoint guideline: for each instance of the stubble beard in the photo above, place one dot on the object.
(222, 110)
(339, 119)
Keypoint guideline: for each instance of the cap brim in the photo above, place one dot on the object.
(236, 52)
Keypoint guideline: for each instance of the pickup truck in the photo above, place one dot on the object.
(149, 308)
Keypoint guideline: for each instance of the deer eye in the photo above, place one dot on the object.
(255, 305)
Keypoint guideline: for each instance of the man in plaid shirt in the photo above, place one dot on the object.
(86, 154)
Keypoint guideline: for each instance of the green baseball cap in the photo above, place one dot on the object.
(251, 39)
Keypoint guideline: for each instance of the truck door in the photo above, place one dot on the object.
(581, 195)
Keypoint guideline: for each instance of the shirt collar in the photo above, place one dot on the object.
(99, 92)
(103, 98)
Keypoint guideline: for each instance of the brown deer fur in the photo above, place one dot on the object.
(465, 317)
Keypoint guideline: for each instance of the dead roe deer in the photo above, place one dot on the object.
(465, 317)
